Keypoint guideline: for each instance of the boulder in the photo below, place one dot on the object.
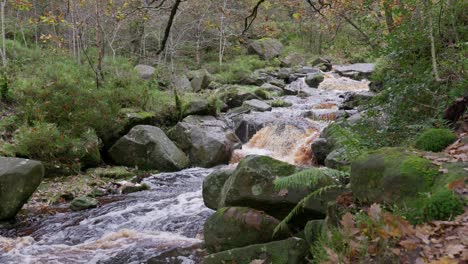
(321, 148)
(252, 184)
(266, 48)
(356, 71)
(92, 145)
(337, 159)
(314, 79)
(207, 140)
(391, 175)
(117, 172)
(290, 251)
(212, 186)
(199, 79)
(322, 64)
(181, 82)
(354, 100)
(146, 72)
(199, 107)
(148, 147)
(273, 89)
(83, 203)
(293, 59)
(19, 178)
(234, 227)
(258, 105)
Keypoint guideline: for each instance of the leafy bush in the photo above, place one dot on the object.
(435, 140)
(444, 205)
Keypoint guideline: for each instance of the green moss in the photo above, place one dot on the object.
(262, 94)
(112, 172)
(419, 166)
(280, 103)
(435, 139)
(444, 205)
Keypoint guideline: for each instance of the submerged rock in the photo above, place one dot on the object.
(391, 175)
(83, 203)
(290, 251)
(212, 186)
(207, 140)
(266, 48)
(19, 178)
(148, 147)
(235, 227)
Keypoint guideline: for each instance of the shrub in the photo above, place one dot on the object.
(443, 205)
(435, 140)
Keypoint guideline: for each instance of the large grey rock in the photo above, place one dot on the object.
(212, 186)
(207, 140)
(293, 59)
(181, 82)
(266, 48)
(321, 148)
(235, 227)
(314, 79)
(146, 72)
(148, 147)
(199, 79)
(273, 89)
(252, 184)
(290, 251)
(258, 105)
(199, 107)
(356, 71)
(19, 178)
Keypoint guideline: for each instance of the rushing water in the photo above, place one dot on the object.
(167, 220)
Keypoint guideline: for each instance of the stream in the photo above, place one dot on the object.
(165, 223)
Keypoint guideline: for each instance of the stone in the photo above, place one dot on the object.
(290, 251)
(314, 79)
(293, 59)
(266, 48)
(321, 148)
(181, 82)
(322, 64)
(272, 89)
(199, 79)
(336, 159)
(234, 227)
(391, 175)
(132, 188)
(356, 71)
(199, 106)
(19, 178)
(258, 105)
(354, 100)
(213, 185)
(207, 140)
(148, 147)
(117, 172)
(83, 203)
(146, 72)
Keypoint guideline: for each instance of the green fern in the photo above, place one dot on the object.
(310, 178)
(349, 141)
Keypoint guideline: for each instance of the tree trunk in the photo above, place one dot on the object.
(99, 45)
(2, 14)
(388, 15)
(435, 70)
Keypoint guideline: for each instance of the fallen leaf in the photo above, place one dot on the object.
(347, 221)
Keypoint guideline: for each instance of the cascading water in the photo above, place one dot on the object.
(166, 221)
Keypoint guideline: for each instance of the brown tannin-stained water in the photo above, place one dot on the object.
(164, 224)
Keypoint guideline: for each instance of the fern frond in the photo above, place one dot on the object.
(283, 225)
(309, 178)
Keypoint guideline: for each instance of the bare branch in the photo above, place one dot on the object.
(169, 26)
(252, 17)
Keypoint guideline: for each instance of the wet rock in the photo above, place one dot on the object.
(314, 79)
(321, 148)
(293, 59)
(97, 193)
(322, 64)
(132, 188)
(148, 147)
(258, 105)
(307, 70)
(277, 82)
(19, 178)
(234, 227)
(146, 72)
(212, 186)
(199, 79)
(117, 172)
(246, 126)
(356, 71)
(234, 97)
(391, 175)
(199, 107)
(289, 251)
(83, 203)
(284, 73)
(266, 48)
(252, 184)
(207, 140)
(273, 89)
(181, 82)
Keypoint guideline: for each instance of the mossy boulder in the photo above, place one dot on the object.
(313, 230)
(391, 175)
(290, 251)
(199, 79)
(314, 79)
(212, 186)
(234, 227)
(266, 48)
(117, 172)
(435, 139)
(19, 178)
(148, 147)
(83, 203)
(252, 185)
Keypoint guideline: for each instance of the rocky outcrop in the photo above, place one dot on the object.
(199, 79)
(207, 140)
(290, 251)
(391, 175)
(146, 72)
(266, 48)
(19, 178)
(148, 147)
(356, 71)
(213, 185)
(235, 227)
